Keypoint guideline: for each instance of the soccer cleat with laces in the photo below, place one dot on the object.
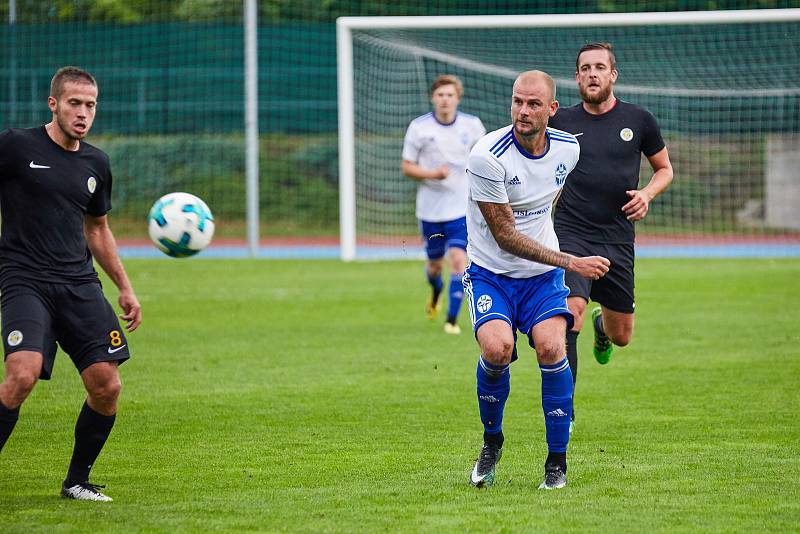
(602, 345)
(483, 472)
(555, 477)
(84, 491)
(450, 328)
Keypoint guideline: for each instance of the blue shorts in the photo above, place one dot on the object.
(521, 302)
(440, 236)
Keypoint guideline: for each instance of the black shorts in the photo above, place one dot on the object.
(615, 289)
(37, 315)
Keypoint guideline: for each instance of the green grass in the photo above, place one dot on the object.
(314, 396)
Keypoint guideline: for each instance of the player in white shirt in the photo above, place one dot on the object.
(515, 280)
(435, 152)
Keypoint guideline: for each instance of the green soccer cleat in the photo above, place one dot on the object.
(603, 348)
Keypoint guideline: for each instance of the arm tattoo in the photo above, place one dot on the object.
(500, 219)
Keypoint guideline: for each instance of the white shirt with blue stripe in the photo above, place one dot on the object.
(501, 171)
(431, 144)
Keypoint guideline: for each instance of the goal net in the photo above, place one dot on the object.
(724, 86)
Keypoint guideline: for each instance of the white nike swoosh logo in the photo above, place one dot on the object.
(112, 351)
(474, 476)
(33, 165)
(578, 134)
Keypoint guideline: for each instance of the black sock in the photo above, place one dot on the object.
(91, 431)
(8, 418)
(598, 324)
(436, 294)
(557, 458)
(494, 439)
(572, 354)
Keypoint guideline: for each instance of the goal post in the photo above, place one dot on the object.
(720, 83)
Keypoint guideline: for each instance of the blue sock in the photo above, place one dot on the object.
(456, 296)
(493, 386)
(557, 390)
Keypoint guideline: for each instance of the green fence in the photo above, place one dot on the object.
(171, 81)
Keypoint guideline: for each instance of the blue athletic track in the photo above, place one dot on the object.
(328, 251)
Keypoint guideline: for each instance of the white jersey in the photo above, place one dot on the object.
(502, 172)
(431, 144)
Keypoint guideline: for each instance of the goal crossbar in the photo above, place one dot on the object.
(741, 16)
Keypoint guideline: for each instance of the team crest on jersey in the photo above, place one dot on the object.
(484, 303)
(561, 174)
(91, 183)
(626, 134)
(14, 338)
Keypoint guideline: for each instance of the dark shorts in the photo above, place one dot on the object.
(440, 236)
(37, 315)
(615, 289)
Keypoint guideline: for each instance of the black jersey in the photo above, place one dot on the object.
(45, 192)
(590, 207)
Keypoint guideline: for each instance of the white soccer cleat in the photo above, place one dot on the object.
(450, 328)
(555, 477)
(85, 492)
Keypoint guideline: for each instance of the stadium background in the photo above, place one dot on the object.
(289, 396)
(171, 112)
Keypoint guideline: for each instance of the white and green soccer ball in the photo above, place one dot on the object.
(180, 225)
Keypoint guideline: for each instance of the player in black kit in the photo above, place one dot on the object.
(55, 191)
(601, 201)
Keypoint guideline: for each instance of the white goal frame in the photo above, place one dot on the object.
(345, 73)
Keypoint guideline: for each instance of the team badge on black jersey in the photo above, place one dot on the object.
(626, 134)
(91, 183)
(14, 338)
(561, 174)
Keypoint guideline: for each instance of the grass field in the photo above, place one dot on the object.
(288, 396)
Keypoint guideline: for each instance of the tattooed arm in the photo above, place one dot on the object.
(500, 219)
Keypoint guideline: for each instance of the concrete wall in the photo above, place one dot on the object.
(782, 181)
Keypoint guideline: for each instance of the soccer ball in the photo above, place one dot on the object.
(180, 225)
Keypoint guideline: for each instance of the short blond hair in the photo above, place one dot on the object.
(448, 79)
